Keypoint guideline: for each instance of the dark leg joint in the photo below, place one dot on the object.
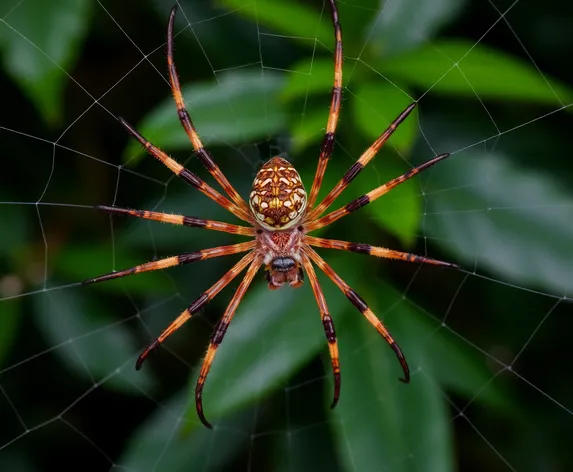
(357, 300)
(327, 145)
(190, 178)
(358, 203)
(360, 247)
(206, 159)
(352, 172)
(198, 303)
(219, 333)
(189, 257)
(329, 329)
(193, 222)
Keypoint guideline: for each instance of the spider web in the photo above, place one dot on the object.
(489, 386)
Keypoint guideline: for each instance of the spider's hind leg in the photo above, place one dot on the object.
(361, 305)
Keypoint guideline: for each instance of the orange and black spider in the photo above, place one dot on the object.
(280, 216)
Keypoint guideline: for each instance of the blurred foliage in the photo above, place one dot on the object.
(502, 209)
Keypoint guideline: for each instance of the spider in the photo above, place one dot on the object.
(280, 216)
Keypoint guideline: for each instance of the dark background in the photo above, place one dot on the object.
(487, 345)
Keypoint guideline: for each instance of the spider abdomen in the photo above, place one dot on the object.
(278, 198)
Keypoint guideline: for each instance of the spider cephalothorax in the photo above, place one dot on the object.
(281, 256)
(279, 218)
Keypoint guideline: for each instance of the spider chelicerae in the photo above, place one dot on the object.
(280, 216)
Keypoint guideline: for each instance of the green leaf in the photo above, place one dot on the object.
(158, 443)
(308, 129)
(513, 222)
(40, 40)
(305, 445)
(286, 17)
(89, 342)
(404, 25)
(85, 262)
(399, 211)
(272, 336)
(376, 105)
(311, 76)
(461, 68)
(380, 421)
(243, 106)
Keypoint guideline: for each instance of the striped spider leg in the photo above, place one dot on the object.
(280, 216)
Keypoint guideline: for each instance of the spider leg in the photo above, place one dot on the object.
(361, 305)
(357, 167)
(190, 221)
(199, 303)
(218, 335)
(335, 102)
(372, 195)
(185, 174)
(180, 259)
(203, 155)
(328, 326)
(374, 251)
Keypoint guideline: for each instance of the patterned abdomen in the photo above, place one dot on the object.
(278, 198)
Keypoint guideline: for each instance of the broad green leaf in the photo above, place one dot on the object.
(40, 40)
(404, 25)
(461, 68)
(294, 19)
(513, 222)
(380, 421)
(85, 262)
(159, 444)
(382, 424)
(243, 106)
(272, 336)
(89, 342)
(306, 444)
(312, 76)
(309, 77)
(376, 105)
(453, 364)
(399, 211)
(308, 129)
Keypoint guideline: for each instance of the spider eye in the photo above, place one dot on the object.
(278, 198)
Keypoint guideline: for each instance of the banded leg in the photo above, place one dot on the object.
(190, 221)
(328, 326)
(180, 259)
(199, 303)
(203, 155)
(361, 305)
(374, 251)
(219, 334)
(186, 174)
(372, 195)
(335, 102)
(357, 167)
